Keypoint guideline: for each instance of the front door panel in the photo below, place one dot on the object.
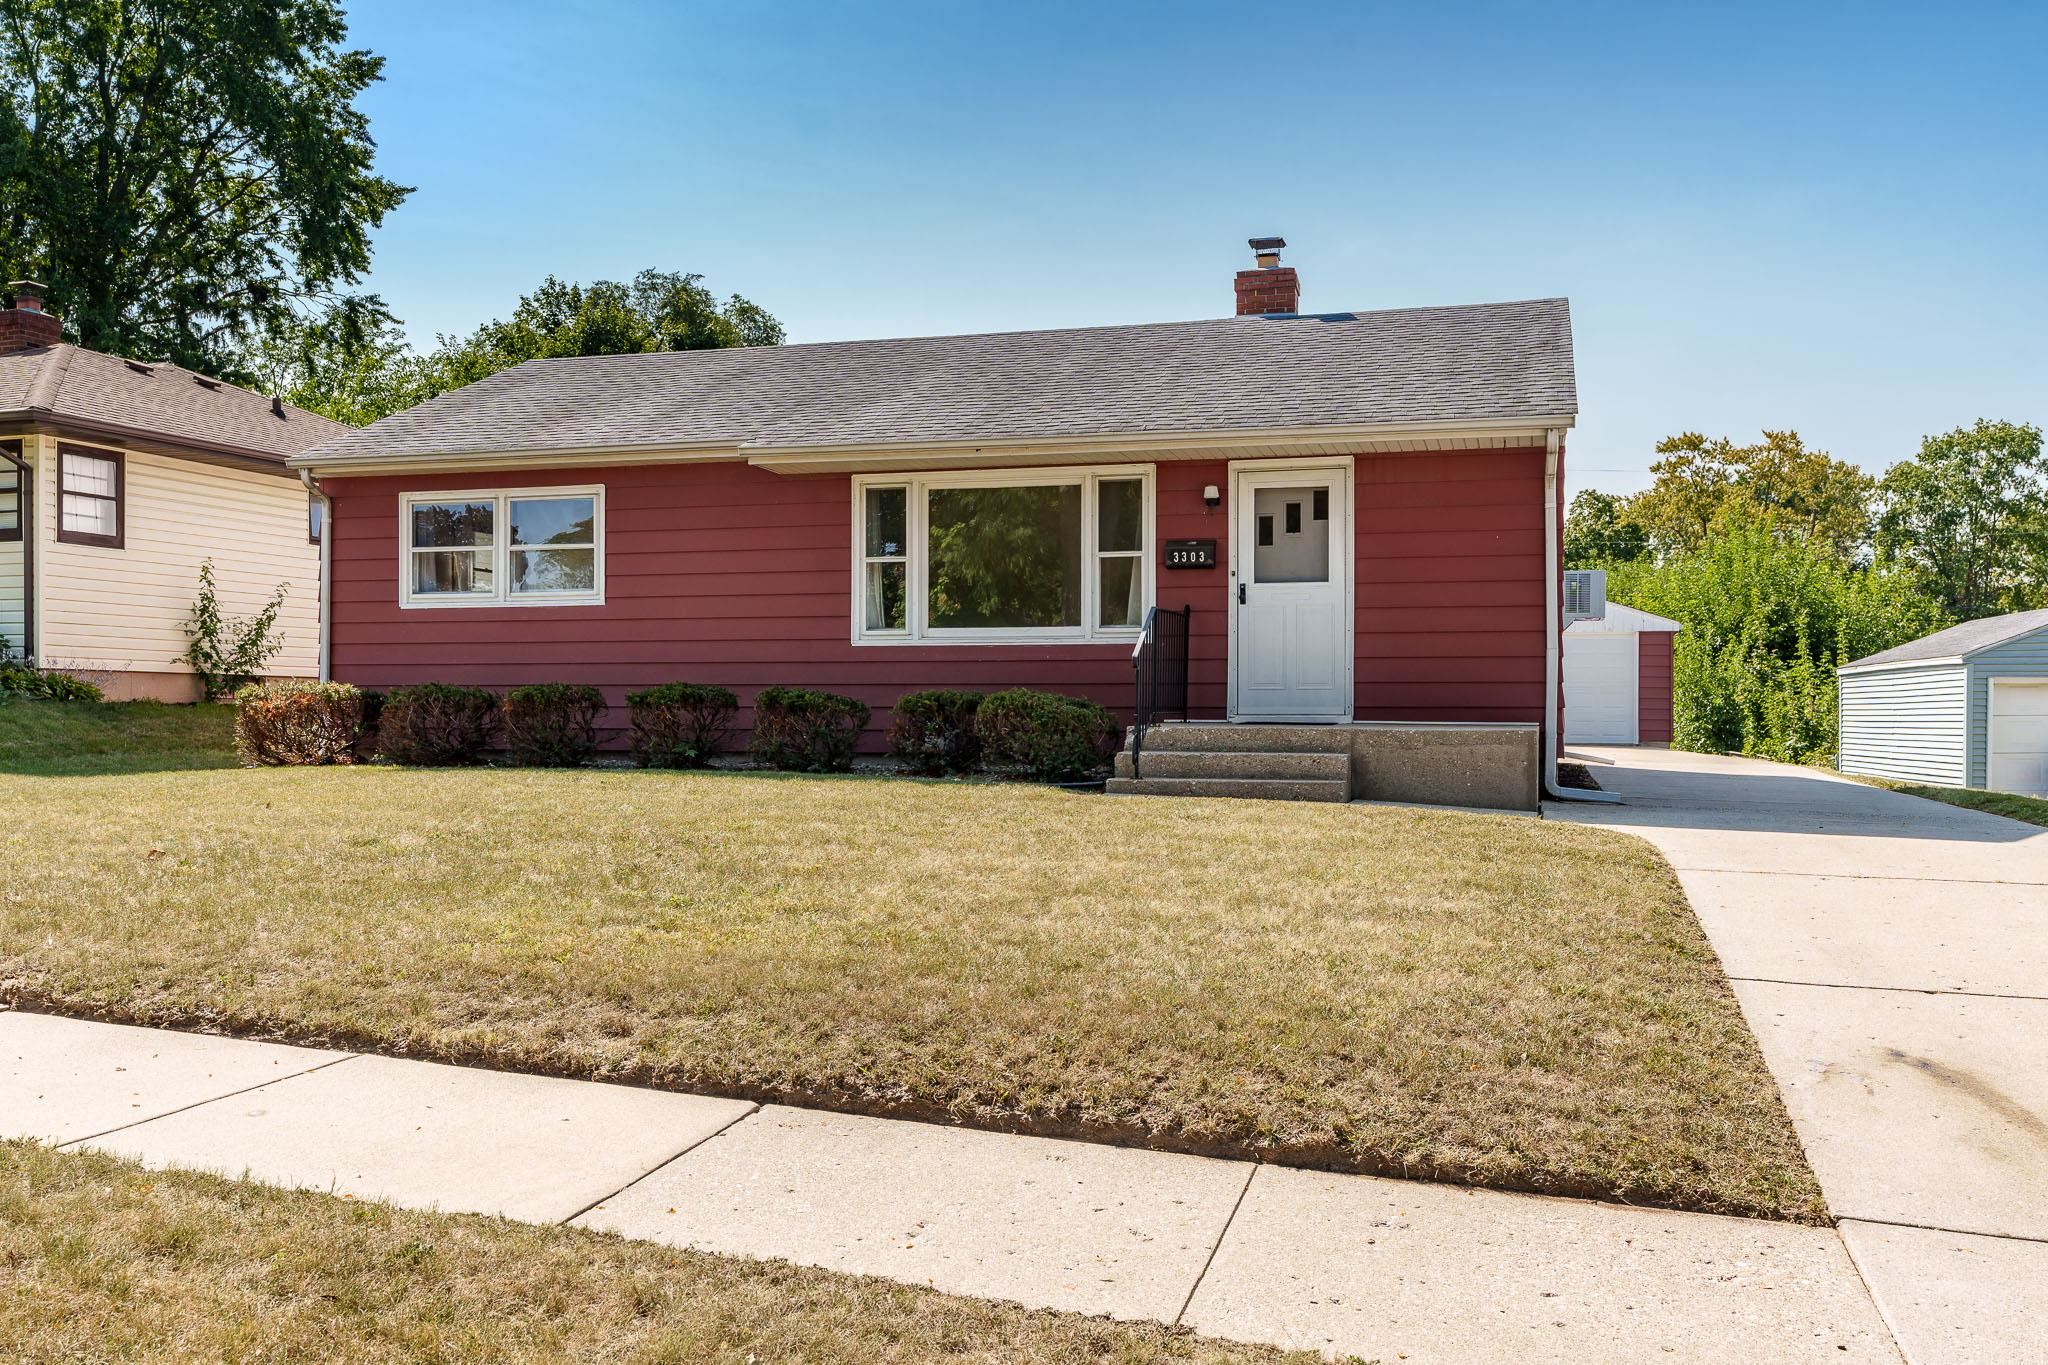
(1292, 656)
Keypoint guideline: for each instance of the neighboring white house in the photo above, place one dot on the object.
(1617, 677)
(1963, 707)
(118, 478)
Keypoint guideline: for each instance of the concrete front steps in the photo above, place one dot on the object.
(1267, 762)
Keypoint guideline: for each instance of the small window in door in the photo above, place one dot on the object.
(1322, 505)
(1293, 558)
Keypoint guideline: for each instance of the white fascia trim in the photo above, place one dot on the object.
(513, 459)
(1143, 441)
(1903, 663)
(797, 456)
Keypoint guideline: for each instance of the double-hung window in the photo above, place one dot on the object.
(1009, 556)
(524, 547)
(89, 496)
(10, 492)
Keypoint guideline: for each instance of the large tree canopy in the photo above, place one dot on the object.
(1601, 530)
(1969, 516)
(1701, 482)
(353, 365)
(184, 174)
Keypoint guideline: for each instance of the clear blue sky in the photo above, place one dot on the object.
(1834, 220)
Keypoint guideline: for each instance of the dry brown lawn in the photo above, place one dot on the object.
(102, 1261)
(1497, 1000)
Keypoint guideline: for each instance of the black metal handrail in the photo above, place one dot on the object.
(1160, 668)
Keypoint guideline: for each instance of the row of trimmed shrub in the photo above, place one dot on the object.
(674, 725)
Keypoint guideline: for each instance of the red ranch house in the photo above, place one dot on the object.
(1360, 511)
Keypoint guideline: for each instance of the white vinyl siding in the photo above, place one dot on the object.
(123, 610)
(2026, 657)
(1905, 723)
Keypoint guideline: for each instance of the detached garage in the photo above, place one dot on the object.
(1617, 678)
(1964, 707)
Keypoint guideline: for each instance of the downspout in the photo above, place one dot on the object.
(1553, 631)
(326, 568)
(25, 522)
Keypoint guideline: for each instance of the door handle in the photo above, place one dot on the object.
(1240, 592)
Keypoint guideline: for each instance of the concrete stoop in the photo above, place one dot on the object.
(1479, 765)
(1289, 763)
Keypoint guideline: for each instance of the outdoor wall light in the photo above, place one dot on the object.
(1211, 497)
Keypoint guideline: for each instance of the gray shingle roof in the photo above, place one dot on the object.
(69, 383)
(1409, 365)
(1957, 641)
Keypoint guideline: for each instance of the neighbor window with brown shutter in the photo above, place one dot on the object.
(10, 492)
(90, 508)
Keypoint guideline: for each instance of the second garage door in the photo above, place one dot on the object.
(1599, 689)
(2019, 737)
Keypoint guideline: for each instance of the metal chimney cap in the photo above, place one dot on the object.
(1266, 243)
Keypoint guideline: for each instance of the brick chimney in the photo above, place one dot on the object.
(26, 326)
(1272, 287)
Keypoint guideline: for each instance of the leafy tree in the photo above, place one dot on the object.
(350, 363)
(1768, 619)
(1600, 529)
(660, 310)
(1702, 483)
(1968, 516)
(183, 174)
(353, 365)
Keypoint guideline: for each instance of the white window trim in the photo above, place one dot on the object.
(500, 549)
(917, 606)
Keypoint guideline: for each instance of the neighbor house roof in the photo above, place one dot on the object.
(92, 393)
(1621, 620)
(1487, 363)
(1971, 637)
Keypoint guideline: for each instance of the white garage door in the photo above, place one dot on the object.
(1599, 689)
(2019, 737)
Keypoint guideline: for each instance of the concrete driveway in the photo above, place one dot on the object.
(1891, 954)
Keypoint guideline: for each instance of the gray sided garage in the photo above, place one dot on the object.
(1617, 678)
(1964, 707)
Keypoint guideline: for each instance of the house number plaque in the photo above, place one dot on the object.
(1190, 554)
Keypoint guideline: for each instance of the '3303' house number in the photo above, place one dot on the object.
(1190, 554)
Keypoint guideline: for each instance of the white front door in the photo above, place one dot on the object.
(1290, 635)
(2018, 742)
(1600, 675)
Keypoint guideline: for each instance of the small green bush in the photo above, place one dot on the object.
(1044, 735)
(804, 731)
(933, 732)
(297, 724)
(679, 724)
(552, 725)
(25, 680)
(434, 725)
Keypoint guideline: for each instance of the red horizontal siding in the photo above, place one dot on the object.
(729, 574)
(1653, 687)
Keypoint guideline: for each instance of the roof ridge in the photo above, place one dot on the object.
(1356, 314)
(43, 393)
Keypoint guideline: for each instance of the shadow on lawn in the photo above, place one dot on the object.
(95, 739)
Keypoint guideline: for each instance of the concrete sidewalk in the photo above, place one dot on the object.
(1385, 1269)
(1891, 955)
